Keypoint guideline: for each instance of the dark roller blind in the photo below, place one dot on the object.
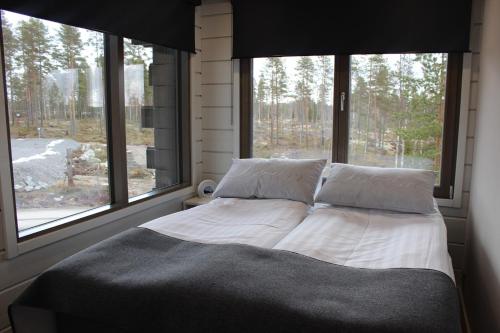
(169, 23)
(264, 28)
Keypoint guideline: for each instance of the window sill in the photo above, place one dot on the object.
(105, 215)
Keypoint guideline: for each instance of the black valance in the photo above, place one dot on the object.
(169, 23)
(264, 28)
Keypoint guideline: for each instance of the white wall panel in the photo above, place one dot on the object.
(216, 163)
(216, 25)
(217, 118)
(220, 141)
(217, 95)
(213, 176)
(471, 124)
(216, 48)
(215, 7)
(216, 72)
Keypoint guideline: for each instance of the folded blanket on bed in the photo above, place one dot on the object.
(142, 281)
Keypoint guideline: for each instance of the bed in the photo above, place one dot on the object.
(263, 262)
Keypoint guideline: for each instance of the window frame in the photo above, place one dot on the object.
(340, 140)
(116, 145)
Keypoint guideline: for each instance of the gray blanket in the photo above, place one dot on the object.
(142, 281)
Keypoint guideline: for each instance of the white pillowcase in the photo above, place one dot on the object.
(271, 179)
(402, 190)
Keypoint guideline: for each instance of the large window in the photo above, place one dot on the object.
(76, 104)
(390, 110)
(57, 121)
(397, 110)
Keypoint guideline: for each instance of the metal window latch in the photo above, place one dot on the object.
(342, 101)
(451, 192)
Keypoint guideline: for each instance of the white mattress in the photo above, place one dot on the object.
(228, 220)
(368, 238)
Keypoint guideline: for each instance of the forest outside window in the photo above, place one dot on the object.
(78, 103)
(293, 107)
(57, 120)
(389, 110)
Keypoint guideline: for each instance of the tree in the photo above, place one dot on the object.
(406, 91)
(261, 95)
(325, 69)
(277, 82)
(432, 106)
(303, 89)
(11, 49)
(35, 43)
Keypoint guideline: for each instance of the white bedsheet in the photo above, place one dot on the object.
(368, 238)
(228, 220)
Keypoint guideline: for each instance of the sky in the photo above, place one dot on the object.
(290, 63)
(88, 52)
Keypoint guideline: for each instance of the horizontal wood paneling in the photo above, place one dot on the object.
(475, 67)
(467, 177)
(216, 163)
(215, 177)
(469, 156)
(474, 90)
(218, 140)
(216, 72)
(217, 118)
(216, 95)
(215, 7)
(216, 25)
(196, 62)
(471, 124)
(216, 48)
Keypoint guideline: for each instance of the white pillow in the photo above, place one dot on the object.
(402, 190)
(271, 179)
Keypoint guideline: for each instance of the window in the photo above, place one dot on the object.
(54, 80)
(151, 117)
(397, 110)
(78, 103)
(389, 110)
(293, 107)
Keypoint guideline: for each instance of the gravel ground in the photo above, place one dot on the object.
(39, 163)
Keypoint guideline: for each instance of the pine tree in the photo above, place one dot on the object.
(325, 69)
(277, 83)
(305, 81)
(11, 49)
(261, 96)
(35, 44)
(406, 90)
